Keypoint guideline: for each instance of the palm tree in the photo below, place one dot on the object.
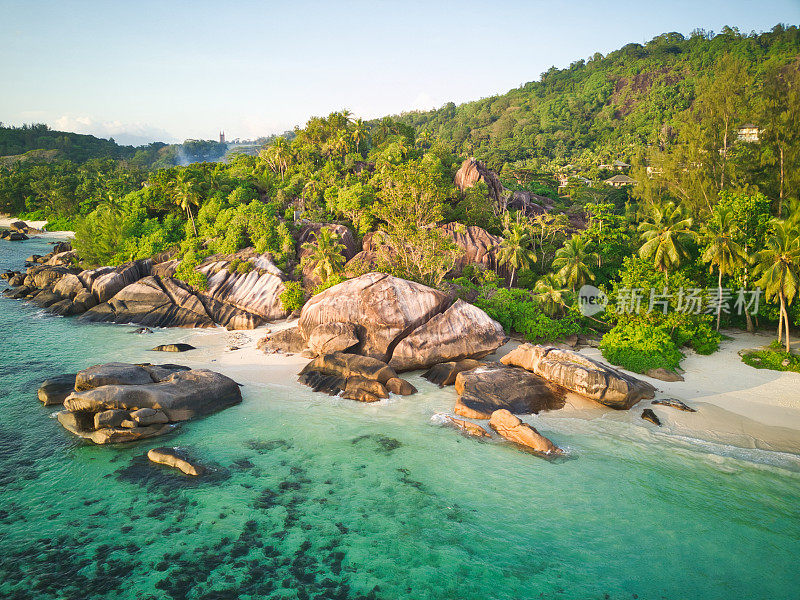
(311, 190)
(779, 265)
(549, 290)
(515, 250)
(324, 254)
(360, 133)
(187, 193)
(572, 261)
(665, 237)
(722, 250)
(278, 156)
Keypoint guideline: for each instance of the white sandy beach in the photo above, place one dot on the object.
(5, 221)
(736, 404)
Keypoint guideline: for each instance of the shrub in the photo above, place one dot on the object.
(186, 270)
(516, 310)
(293, 297)
(638, 347)
(774, 358)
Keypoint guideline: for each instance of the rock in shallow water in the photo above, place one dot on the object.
(495, 386)
(173, 457)
(56, 389)
(120, 402)
(467, 427)
(182, 396)
(649, 415)
(111, 374)
(514, 430)
(357, 377)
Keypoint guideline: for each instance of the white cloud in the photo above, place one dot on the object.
(134, 134)
(425, 101)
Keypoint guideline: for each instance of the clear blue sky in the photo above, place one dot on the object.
(175, 70)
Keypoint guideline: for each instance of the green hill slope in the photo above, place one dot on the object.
(604, 107)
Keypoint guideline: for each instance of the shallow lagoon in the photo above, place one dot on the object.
(318, 497)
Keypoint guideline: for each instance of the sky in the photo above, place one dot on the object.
(144, 71)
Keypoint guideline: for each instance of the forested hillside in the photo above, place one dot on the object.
(75, 147)
(625, 105)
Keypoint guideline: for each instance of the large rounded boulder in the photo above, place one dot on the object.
(382, 307)
(462, 331)
(495, 386)
(580, 374)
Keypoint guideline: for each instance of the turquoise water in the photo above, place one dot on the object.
(317, 497)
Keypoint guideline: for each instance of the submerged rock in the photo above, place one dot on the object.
(56, 389)
(173, 457)
(495, 386)
(445, 373)
(673, 403)
(467, 427)
(649, 415)
(577, 373)
(514, 430)
(461, 331)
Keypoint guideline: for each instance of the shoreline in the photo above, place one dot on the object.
(5, 222)
(737, 405)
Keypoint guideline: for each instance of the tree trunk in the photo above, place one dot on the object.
(780, 194)
(513, 272)
(750, 328)
(719, 301)
(724, 156)
(785, 320)
(191, 218)
(780, 320)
